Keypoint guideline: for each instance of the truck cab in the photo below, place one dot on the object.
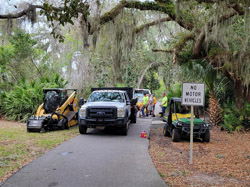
(107, 107)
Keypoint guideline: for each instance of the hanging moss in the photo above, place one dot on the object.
(228, 44)
(161, 6)
(214, 51)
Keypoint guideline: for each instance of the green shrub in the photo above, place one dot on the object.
(230, 122)
(175, 91)
(1, 101)
(236, 119)
(158, 93)
(24, 98)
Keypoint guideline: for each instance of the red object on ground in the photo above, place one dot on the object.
(143, 134)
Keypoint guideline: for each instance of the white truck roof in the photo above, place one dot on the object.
(110, 91)
(142, 91)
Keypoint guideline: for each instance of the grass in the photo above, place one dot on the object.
(18, 148)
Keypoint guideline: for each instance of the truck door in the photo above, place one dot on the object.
(127, 103)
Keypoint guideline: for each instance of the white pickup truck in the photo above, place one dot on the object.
(141, 92)
(108, 107)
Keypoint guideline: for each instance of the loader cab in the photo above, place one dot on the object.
(53, 98)
(57, 112)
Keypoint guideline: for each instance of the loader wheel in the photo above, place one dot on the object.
(42, 130)
(82, 129)
(66, 124)
(63, 124)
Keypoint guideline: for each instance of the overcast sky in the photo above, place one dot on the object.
(7, 6)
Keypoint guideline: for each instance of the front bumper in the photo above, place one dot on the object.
(91, 123)
(198, 130)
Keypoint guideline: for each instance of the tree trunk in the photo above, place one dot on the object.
(117, 65)
(242, 93)
(143, 74)
(214, 109)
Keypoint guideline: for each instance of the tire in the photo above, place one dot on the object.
(175, 135)
(43, 130)
(83, 129)
(206, 136)
(133, 115)
(66, 124)
(60, 124)
(133, 119)
(165, 131)
(124, 130)
(28, 130)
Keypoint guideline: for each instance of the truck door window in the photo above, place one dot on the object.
(126, 97)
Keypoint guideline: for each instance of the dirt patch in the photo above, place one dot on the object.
(225, 161)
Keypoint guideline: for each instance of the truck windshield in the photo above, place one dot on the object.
(142, 92)
(106, 96)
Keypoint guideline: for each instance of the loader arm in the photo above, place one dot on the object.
(71, 100)
(40, 111)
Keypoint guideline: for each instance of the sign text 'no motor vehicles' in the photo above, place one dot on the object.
(193, 94)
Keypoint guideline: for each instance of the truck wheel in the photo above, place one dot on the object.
(82, 129)
(125, 129)
(206, 136)
(165, 131)
(175, 135)
(133, 119)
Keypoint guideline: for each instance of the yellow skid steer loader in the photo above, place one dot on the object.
(58, 111)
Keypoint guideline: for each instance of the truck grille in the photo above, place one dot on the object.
(102, 112)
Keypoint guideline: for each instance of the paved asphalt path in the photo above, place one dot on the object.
(98, 159)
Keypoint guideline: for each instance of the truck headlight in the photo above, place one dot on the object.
(120, 112)
(83, 112)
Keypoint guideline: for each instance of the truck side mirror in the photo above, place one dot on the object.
(81, 101)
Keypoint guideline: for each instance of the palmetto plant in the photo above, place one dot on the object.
(25, 97)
